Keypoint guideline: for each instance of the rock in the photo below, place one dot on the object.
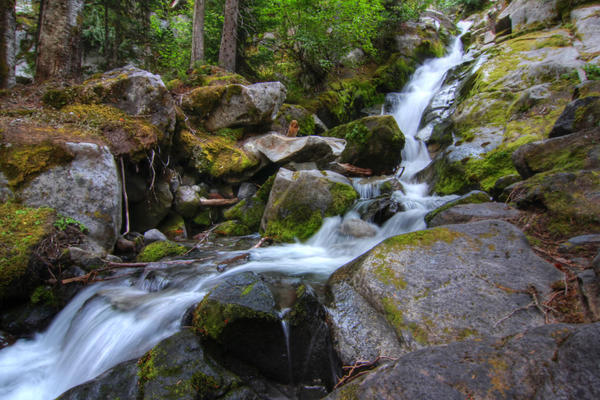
(596, 264)
(527, 14)
(552, 361)
(150, 212)
(174, 227)
(87, 189)
(156, 251)
(154, 235)
(589, 287)
(232, 228)
(240, 316)
(501, 184)
(288, 113)
(246, 190)
(465, 213)
(229, 106)
(580, 114)
(449, 283)
(25, 320)
(300, 200)
(357, 228)
(88, 259)
(281, 149)
(187, 200)
(586, 22)
(178, 368)
(473, 197)
(591, 242)
(372, 142)
(5, 193)
(119, 382)
(249, 212)
(135, 91)
(571, 200)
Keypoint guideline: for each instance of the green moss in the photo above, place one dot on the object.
(394, 74)
(173, 226)
(58, 98)
(159, 250)
(301, 223)
(342, 198)
(430, 49)
(232, 228)
(146, 368)
(203, 218)
(553, 41)
(248, 289)
(22, 163)
(421, 239)
(388, 276)
(395, 317)
(212, 317)
(43, 295)
(21, 230)
(202, 101)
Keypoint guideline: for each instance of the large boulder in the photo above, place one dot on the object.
(149, 212)
(548, 362)
(249, 212)
(300, 200)
(87, 188)
(580, 114)
(218, 107)
(528, 14)
(132, 90)
(372, 142)
(586, 20)
(465, 213)
(566, 153)
(442, 285)
(308, 123)
(281, 149)
(473, 197)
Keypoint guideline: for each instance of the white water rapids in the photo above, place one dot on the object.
(108, 323)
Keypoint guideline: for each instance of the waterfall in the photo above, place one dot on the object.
(112, 322)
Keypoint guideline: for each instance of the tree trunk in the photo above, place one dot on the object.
(8, 26)
(59, 46)
(198, 35)
(229, 36)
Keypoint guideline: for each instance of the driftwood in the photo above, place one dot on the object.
(360, 368)
(350, 169)
(218, 202)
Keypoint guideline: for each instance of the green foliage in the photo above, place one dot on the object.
(592, 71)
(159, 250)
(63, 222)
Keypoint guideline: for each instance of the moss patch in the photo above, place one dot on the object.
(476, 198)
(301, 223)
(232, 228)
(21, 229)
(159, 250)
(420, 239)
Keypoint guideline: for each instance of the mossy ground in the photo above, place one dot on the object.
(232, 228)
(159, 250)
(21, 229)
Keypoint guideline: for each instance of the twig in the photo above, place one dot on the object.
(151, 161)
(201, 237)
(217, 202)
(124, 188)
(261, 242)
(361, 364)
(513, 313)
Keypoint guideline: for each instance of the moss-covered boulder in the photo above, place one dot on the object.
(132, 90)
(300, 200)
(581, 114)
(249, 212)
(232, 228)
(216, 157)
(218, 107)
(306, 120)
(22, 229)
(173, 226)
(444, 285)
(570, 200)
(372, 142)
(156, 251)
(573, 152)
(530, 14)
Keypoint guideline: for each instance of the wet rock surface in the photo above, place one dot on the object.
(465, 213)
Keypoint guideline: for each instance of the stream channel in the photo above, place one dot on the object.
(115, 321)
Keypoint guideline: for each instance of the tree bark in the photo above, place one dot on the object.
(198, 33)
(227, 51)
(59, 47)
(8, 26)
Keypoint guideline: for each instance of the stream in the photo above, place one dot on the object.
(119, 320)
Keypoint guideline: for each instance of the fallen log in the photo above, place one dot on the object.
(349, 169)
(217, 202)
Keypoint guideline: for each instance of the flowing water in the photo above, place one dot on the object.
(120, 320)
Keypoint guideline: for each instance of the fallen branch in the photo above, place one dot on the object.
(363, 366)
(225, 263)
(217, 202)
(261, 242)
(354, 170)
(201, 238)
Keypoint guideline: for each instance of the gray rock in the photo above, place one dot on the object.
(587, 20)
(85, 258)
(135, 91)
(119, 382)
(281, 149)
(589, 287)
(5, 193)
(154, 235)
(586, 241)
(246, 190)
(289, 112)
(151, 211)
(87, 189)
(549, 362)
(465, 213)
(357, 228)
(187, 201)
(524, 14)
(473, 197)
(450, 283)
(596, 264)
(578, 115)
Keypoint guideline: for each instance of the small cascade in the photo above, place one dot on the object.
(120, 320)
(285, 327)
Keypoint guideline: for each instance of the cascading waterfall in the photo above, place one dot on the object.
(108, 323)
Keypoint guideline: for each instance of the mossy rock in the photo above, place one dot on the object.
(200, 102)
(300, 200)
(216, 157)
(21, 231)
(232, 228)
(173, 226)
(395, 73)
(372, 142)
(158, 250)
(250, 211)
(288, 113)
(474, 197)
(211, 75)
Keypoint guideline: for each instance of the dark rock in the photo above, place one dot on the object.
(444, 285)
(566, 153)
(119, 382)
(588, 242)
(246, 190)
(548, 362)
(473, 197)
(596, 264)
(580, 114)
(464, 213)
(502, 183)
(27, 319)
(148, 213)
(589, 287)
